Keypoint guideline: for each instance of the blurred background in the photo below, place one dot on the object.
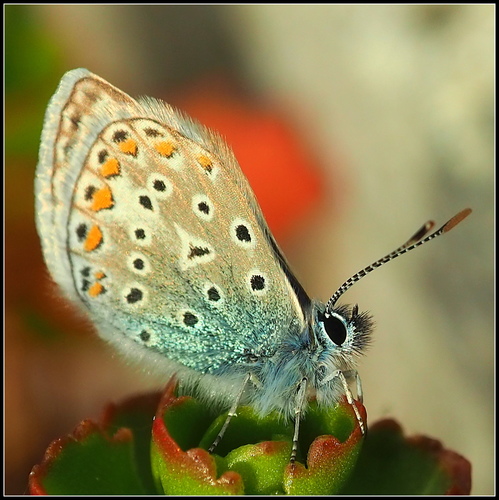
(354, 123)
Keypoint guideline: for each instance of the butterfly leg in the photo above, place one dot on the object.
(300, 400)
(343, 375)
(355, 374)
(232, 413)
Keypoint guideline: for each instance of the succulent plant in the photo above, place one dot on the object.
(156, 444)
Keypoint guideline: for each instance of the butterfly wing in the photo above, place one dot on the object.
(148, 222)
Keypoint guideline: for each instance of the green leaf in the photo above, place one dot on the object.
(261, 466)
(254, 454)
(191, 472)
(393, 465)
(89, 463)
(331, 457)
(136, 414)
(246, 428)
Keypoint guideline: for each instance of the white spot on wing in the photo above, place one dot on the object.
(193, 251)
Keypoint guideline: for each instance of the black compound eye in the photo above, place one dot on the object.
(335, 327)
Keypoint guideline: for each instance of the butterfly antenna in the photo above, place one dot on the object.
(416, 240)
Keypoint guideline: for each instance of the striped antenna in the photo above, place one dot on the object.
(415, 241)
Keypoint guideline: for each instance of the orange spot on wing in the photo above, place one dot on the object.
(110, 168)
(101, 199)
(99, 275)
(205, 162)
(165, 148)
(95, 289)
(128, 147)
(94, 239)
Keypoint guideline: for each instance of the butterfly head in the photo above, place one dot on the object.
(340, 335)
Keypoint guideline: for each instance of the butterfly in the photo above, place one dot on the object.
(148, 224)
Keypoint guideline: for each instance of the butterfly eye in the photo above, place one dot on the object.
(335, 327)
